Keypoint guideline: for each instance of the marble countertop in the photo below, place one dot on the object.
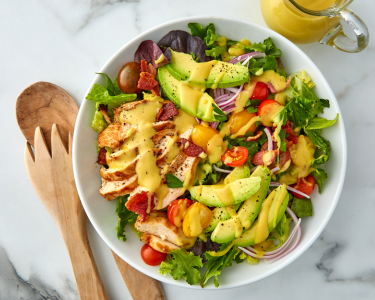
(65, 42)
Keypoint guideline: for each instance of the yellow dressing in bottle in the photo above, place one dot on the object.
(300, 28)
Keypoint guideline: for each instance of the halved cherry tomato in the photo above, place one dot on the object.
(239, 120)
(267, 110)
(128, 78)
(235, 157)
(260, 92)
(177, 210)
(152, 257)
(202, 134)
(196, 219)
(305, 185)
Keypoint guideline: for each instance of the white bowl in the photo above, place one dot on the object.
(102, 212)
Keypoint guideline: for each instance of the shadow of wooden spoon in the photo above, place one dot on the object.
(38, 108)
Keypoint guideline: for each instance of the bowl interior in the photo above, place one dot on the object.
(102, 212)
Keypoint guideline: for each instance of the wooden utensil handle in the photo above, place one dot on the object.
(89, 283)
(140, 286)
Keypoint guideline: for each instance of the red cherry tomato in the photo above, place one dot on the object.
(267, 110)
(152, 257)
(177, 210)
(128, 78)
(260, 92)
(305, 185)
(235, 157)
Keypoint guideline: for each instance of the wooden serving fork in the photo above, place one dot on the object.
(51, 175)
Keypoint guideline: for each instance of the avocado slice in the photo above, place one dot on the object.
(272, 211)
(227, 230)
(220, 195)
(216, 74)
(251, 207)
(237, 173)
(218, 214)
(224, 213)
(193, 101)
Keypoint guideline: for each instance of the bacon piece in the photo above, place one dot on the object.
(156, 91)
(139, 204)
(283, 159)
(192, 149)
(159, 114)
(255, 137)
(292, 136)
(147, 81)
(148, 68)
(262, 158)
(102, 157)
(169, 110)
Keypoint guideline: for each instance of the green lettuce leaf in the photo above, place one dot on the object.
(302, 207)
(101, 95)
(251, 146)
(320, 176)
(322, 144)
(182, 265)
(320, 123)
(98, 123)
(197, 29)
(256, 47)
(215, 264)
(258, 65)
(271, 48)
(216, 51)
(125, 216)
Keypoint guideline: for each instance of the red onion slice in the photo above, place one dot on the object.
(296, 242)
(275, 169)
(269, 136)
(279, 253)
(223, 97)
(214, 124)
(290, 189)
(245, 56)
(232, 90)
(198, 121)
(220, 170)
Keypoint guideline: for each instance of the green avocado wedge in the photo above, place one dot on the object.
(228, 230)
(221, 74)
(272, 211)
(202, 108)
(220, 195)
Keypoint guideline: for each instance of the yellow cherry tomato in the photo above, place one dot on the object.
(239, 120)
(202, 134)
(196, 219)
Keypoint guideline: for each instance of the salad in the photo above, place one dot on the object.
(211, 149)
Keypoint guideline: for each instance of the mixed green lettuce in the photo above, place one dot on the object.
(125, 217)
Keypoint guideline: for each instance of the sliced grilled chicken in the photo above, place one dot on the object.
(158, 244)
(113, 189)
(158, 224)
(126, 106)
(114, 135)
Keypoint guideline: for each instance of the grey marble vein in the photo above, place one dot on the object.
(13, 286)
(326, 262)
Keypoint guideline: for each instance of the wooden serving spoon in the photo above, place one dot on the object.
(38, 109)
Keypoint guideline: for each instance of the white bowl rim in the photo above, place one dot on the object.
(296, 254)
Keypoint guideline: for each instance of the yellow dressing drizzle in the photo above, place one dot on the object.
(241, 101)
(160, 194)
(262, 231)
(184, 122)
(278, 81)
(215, 148)
(245, 128)
(225, 195)
(160, 59)
(148, 171)
(121, 159)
